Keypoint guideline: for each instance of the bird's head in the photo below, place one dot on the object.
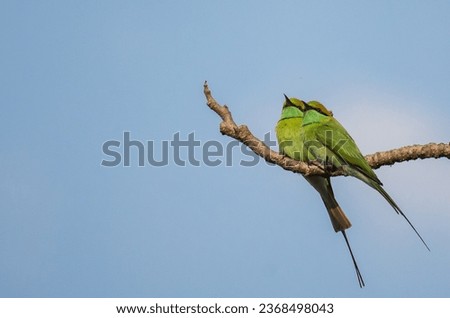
(319, 107)
(292, 108)
(294, 102)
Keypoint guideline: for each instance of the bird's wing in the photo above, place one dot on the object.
(339, 142)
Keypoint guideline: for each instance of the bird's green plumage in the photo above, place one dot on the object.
(287, 131)
(326, 140)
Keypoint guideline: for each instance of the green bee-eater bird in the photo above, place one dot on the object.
(308, 132)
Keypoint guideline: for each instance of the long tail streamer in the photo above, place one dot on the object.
(358, 273)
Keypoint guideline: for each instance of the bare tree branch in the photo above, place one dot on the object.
(406, 153)
(242, 133)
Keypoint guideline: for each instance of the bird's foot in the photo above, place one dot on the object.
(326, 166)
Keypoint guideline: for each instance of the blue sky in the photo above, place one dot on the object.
(78, 73)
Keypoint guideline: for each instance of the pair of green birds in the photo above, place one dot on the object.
(308, 132)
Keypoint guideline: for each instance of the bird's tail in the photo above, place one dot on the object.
(338, 218)
(358, 273)
(378, 186)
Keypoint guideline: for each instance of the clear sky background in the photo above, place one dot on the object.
(74, 74)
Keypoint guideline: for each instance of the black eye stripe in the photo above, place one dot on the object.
(298, 107)
(308, 106)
